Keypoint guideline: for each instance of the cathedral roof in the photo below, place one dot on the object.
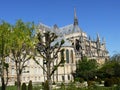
(67, 42)
(70, 29)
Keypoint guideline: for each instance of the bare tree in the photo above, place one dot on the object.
(49, 49)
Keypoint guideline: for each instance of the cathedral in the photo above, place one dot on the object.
(77, 44)
(77, 39)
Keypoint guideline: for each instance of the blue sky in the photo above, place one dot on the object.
(95, 16)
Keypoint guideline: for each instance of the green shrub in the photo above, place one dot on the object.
(24, 86)
(63, 86)
(81, 80)
(30, 87)
(15, 83)
(108, 82)
(77, 79)
(53, 83)
(91, 83)
(116, 80)
(71, 86)
(98, 80)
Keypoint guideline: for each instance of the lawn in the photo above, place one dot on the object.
(15, 88)
(73, 88)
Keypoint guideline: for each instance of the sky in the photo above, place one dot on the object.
(95, 16)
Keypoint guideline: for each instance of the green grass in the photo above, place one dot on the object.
(15, 88)
(99, 88)
(11, 88)
(90, 88)
(72, 87)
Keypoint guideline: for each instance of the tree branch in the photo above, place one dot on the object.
(39, 64)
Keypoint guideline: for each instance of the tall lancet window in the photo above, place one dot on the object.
(72, 56)
(77, 45)
(62, 55)
(67, 56)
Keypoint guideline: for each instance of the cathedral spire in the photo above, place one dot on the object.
(75, 18)
(98, 37)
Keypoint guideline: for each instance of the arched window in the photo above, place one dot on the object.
(62, 55)
(72, 56)
(67, 56)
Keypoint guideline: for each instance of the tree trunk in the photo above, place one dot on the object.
(49, 83)
(2, 75)
(3, 83)
(49, 77)
(18, 82)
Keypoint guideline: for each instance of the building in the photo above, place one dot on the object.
(77, 44)
(82, 44)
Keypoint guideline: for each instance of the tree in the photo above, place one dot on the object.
(4, 52)
(86, 69)
(49, 49)
(116, 61)
(110, 69)
(24, 86)
(21, 46)
(107, 70)
(30, 87)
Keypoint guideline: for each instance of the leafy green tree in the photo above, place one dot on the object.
(86, 69)
(4, 52)
(106, 71)
(109, 69)
(49, 49)
(116, 61)
(21, 46)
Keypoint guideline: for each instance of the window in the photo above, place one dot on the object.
(24, 70)
(39, 78)
(67, 56)
(12, 70)
(62, 55)
(7, 59)
(77, 45)
(35, 71)
(68, 77)
(35, 78)
(72, 56)
(63, 78)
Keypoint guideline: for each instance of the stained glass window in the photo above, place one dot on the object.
(67, 56)
(72, 56)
